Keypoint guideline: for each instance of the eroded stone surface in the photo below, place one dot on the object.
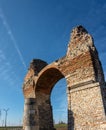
(86, 91)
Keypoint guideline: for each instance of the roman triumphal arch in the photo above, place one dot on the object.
(86, 95)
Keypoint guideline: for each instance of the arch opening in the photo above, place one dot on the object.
(59, 102)
(44, 87)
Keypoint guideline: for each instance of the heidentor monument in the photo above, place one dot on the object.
(86, 89)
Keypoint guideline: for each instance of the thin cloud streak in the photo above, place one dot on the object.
(6, 25)
(7, 72)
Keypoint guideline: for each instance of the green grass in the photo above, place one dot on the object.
(20, 127)
(11, 128)
(60, 126)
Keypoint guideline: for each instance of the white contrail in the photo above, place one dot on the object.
(5, 23)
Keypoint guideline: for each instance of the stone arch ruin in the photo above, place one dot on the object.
(86, 95)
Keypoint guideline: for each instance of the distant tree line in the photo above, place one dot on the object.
(61, 122)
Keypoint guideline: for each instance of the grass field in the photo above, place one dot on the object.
(11, 128)
(57, 126)
(61, 126)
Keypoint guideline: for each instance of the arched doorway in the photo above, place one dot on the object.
(59, 103)
(44, 86)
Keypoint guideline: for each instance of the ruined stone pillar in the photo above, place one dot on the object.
(30, 114)
(86, 83)
(45, 111)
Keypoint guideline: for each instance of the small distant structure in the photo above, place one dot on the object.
(6, 113)
(86, 90)
(0, 116)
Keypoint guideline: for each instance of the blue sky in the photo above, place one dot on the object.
(41, 29)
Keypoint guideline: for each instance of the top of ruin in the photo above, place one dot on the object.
(78, 31)
(80, 41)
(37, 65)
